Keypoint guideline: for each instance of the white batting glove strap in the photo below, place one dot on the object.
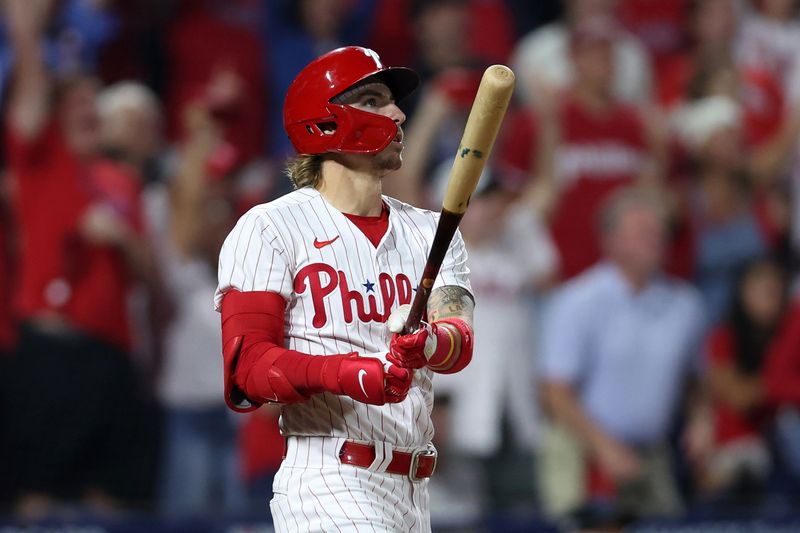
(397, 321)
(430, 341)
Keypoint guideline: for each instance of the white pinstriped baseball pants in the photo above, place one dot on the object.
(314, 492)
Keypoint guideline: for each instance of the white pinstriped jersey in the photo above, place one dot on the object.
(339, 290)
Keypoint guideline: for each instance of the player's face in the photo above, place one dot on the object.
(377, 98)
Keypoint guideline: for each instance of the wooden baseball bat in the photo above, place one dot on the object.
(485, 117)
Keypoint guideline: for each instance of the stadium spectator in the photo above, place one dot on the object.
(659, 26)
(782, 388)
(261, 446)
(582, 144)
(8, 324)
(296, 32)
(441, 36)
(544, 58)
(769, 39)
(433, 134)
(771, 128)
(229, 80)
(725, 228)
(739, 466)
(81, 247)
(767, 150)
(8, 329)
(717, 65)
(446, 32)
(619, 344)
(74, 258)
(77, 34)
(189, 220)
(512, 259)
(712, 30)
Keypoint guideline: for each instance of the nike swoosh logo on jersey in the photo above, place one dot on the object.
(322, 244)
(361, 374)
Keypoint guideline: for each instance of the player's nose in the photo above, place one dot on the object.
(394, 113)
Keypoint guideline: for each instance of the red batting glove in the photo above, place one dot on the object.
(365, 379)
(408, 351)
(398, 383)
(433, 345)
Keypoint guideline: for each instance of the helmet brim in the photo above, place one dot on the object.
(401, 81)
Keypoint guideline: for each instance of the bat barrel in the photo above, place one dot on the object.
(486, 115)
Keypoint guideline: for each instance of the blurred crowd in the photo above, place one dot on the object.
(632, 243)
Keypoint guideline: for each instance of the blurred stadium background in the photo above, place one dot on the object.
(135, 132)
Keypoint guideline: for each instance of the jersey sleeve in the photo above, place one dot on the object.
(454, 269)
(253, 258)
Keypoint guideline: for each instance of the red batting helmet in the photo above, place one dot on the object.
(315, 125)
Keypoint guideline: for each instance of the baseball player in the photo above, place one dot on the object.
(310, 286)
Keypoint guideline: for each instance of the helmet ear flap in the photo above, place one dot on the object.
(316, 134)
(362, 132)
(345, 129)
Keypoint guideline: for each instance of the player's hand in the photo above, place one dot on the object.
(412, 350)
(398, 382)
(370, 380)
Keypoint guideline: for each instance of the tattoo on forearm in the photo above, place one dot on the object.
(450, 301)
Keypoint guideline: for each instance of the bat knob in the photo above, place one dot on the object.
(500, 76)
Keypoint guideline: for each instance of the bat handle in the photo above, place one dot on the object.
(417, 308)
(448, 224)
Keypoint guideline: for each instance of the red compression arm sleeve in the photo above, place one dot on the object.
(257, 366)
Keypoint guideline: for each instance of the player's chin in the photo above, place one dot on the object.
(390, 159)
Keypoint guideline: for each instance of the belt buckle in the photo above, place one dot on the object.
(415, 455)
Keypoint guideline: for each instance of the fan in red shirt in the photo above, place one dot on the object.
(586, 144)
(80, 250)
(659, 25)
(782, 388)
(772, 125)
(738, 352)
(229, 79)
(64, 204)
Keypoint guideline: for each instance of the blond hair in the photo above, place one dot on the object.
(305, 170)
